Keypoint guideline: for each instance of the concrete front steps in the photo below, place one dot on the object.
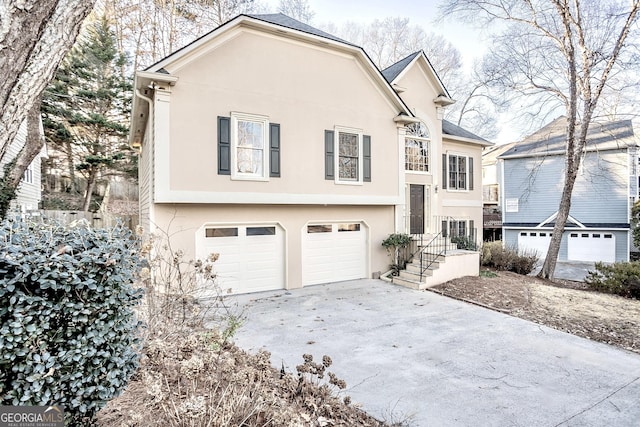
(451, 265)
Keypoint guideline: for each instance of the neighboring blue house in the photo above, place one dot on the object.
(607, 184)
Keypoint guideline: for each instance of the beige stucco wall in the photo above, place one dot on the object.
(420, 89)
(183, 221)
(304, 88)
(464, 204)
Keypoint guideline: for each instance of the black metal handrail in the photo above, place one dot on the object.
(427, 257)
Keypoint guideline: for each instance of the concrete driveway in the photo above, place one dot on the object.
(441, 362)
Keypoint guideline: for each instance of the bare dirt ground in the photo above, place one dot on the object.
(564, 305)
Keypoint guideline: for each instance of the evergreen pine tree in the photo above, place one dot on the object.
(86, 110)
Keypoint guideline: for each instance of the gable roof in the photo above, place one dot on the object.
(551, 139)
(268, 23)
(491, 154)
(393, 72)
(454, 130)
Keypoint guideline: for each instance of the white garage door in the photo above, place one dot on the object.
(334, 252)
(251, 258)
(591, 247)
(534, 241)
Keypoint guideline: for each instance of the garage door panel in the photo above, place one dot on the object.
(335, 255)
(591, 247)
(251, 261)
(534, 242)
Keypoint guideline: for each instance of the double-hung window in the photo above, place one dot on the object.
(27, 177)
(347, 156)
(457, 172)
(416, 148)
(249, 147)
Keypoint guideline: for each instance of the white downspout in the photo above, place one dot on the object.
(149, 101)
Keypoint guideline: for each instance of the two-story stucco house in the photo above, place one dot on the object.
(598, 225)
(285, 150)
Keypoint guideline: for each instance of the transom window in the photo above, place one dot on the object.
(249, 146)
(417, 147)
(348, 156)
(458, 172)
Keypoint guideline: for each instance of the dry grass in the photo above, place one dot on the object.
(198, 380)
(564, 305)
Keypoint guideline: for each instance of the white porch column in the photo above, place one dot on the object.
(401, 208)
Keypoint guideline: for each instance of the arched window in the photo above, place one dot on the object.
(417, 148)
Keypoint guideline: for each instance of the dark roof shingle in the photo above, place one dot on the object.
(286, 21)
(552, 138)
(449, 128)
(391, 72)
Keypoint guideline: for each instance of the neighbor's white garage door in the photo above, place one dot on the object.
(591, 247)
(333, 252)
(252, 257)
(534, 241)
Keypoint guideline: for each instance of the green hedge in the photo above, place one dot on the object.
(68, 333)
(621, 278)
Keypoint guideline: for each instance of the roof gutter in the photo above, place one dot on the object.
(145, 81)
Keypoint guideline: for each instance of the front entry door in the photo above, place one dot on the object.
(416, 209)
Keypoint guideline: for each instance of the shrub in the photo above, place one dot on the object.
(68, 333)
(621, 278)
(465, 242)
(495, 255)
(396, 245)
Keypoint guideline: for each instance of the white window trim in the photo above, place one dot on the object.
(429, 151)
(336, 160)
(457, 190)
(264, 120)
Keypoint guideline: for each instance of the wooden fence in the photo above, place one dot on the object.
(96, 219)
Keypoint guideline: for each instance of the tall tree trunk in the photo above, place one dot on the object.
(71, 168)
(549, 266)
(104, 206)
(14, 170)
(33, 145)
(34, 37)
(91, 185)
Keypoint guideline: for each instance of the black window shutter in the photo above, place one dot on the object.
(470, 173)
(444, 229)
(471, 231)
(274, 150)
(328, 155)
(444, 172)
(366, 157)
(224, 146)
